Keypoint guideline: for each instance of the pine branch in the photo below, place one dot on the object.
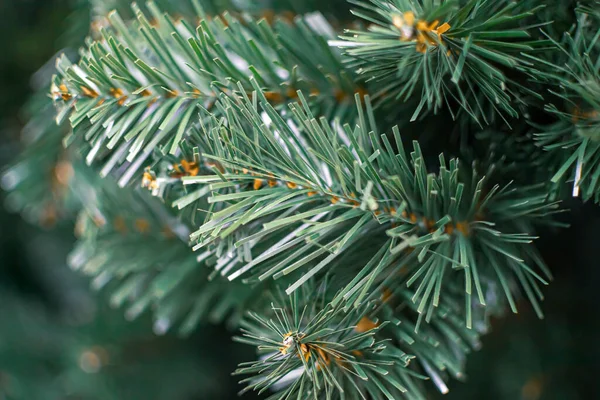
(247, 129)
(307, 347)
(573, 140)
(210, 8)
(180, 8)
(447, 53)
(325, 190)
(441, 345)
(312, 349)
(137, 91)
(128, 243)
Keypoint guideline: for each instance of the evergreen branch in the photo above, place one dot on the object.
(185, 9)
(138, 90)
(287, 345)
(323, 190)
(441, 345)
(447, 53)
(380, 257)
(573, 140)
(290, 177)
(315, 350)
(129, 245)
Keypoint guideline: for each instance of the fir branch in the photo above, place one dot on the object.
(178, 8)
(573, 140)
(442, 345)
(130, 245)
(446, 53)
(247, 128)
(210, 8)
(314, 350)
(287, 349)
(325, 190)
(137, 91)
(291, 178)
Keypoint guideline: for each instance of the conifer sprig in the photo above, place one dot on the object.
(574, 139)
(290, 360)
(441, 346)
(268, 147)
(288, 192)
(289, 177)
(138, 90)
(211, 8)
(314, 350)
(446, 53)
(130, 246)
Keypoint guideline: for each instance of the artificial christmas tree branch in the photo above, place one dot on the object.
(139, 88)
(139, 253)
(266, 154)
(447, 53)
(290, 195)
(572, 139)
(433, 221)
(326, 352)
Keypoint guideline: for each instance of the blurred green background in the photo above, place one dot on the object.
(58, 340)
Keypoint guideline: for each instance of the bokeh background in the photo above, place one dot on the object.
(61, 340)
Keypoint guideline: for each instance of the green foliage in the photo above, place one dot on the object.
(447, 53)
(128, 243)
(325, 190)
(182, 8)
(265, 155)
(441, 345)
(325, 352)
(290, 191)
(574, 138)
(139, 89)
(39, 179)
(258, 8)
(398, 354)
